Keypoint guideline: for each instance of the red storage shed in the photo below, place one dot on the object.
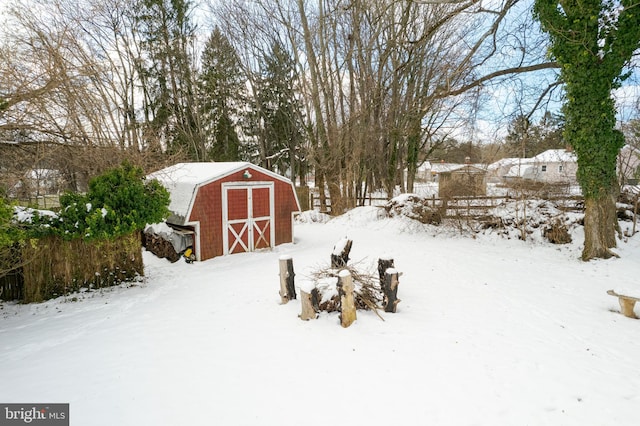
(231, 207)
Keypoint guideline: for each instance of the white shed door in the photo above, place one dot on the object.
(247, 217)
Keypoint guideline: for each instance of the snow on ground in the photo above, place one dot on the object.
(490, 331)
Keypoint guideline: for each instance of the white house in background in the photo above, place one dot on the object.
(498, 170)
(423, 172)
(429, 172)
(560, 166)
(551, 166)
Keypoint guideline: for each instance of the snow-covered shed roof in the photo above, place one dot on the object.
(183, 179)
(466, 169)
(445, 167)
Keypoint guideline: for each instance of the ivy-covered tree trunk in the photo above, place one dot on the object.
(590, 129)
(593, 42)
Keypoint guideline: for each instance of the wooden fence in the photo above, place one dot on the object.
(468, 206)
(53, 267)
(12, 286)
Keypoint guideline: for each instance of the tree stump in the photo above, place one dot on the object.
(347, 300)
(384, 263)
(308, 310)
(340, 255)
(287, 279)
(390, 290)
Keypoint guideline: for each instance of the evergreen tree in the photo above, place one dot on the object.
(593, 41)
(278, 115)
(526, 139)
(550, 131)
(520, 137)
(165, 69)
(221, 99)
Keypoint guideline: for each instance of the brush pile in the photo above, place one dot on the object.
(325, 295)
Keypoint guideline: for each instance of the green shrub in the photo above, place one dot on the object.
(119, 202)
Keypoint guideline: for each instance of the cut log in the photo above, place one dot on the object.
(340, 255)
(347, 301)
(627, 303)
(308, 311)
(390, 290)
(287, 279)
(384, 263)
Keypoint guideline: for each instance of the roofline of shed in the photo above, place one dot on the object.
(245, 164)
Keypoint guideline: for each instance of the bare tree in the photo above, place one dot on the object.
(384, 82)
(71, 89)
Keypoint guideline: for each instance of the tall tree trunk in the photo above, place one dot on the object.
(335, 192)
(320, 185)
(599, 227)
(592, 54)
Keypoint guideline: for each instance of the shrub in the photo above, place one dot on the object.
(119, 202)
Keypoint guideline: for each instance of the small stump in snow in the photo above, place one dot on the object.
(340, 254)
(287, 279)
(347, 299)
(308, 301)
(390, 290)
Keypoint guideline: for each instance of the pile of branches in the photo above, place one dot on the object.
(414, 207)
(325, 296)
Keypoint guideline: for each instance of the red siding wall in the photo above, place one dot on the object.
(207, 209)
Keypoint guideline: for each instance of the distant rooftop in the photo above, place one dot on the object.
(556, 156)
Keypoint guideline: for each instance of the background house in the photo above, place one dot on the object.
(497, 171)
(554, 166)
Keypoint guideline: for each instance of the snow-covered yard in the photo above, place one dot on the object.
(490, 331)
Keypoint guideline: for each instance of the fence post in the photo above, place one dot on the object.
(287, 279)
(347, 300)
(635, 214)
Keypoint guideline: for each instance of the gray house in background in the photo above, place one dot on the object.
(552, 166)
(560, 166)
(497, 171)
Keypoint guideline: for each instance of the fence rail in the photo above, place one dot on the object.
(464, 205)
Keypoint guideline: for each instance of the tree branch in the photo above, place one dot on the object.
(443, 93)
(542, 96)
